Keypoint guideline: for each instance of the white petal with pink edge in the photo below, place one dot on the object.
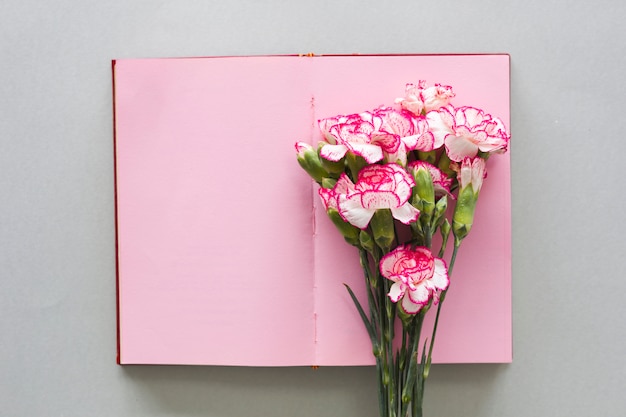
(371, 153)
(459, 147)
(388, 262)
(353, 212)
(406, 213)
(440, 124)
(377, 199)
(396, 291)
(420, 295)
(440, 278)
(410, 307)
(333, 152)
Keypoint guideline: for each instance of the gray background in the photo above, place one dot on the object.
(57, 260)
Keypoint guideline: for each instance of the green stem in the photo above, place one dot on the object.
(428, 236)
(457, 244)
(411, 374)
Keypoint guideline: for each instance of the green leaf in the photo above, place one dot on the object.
(366, 322)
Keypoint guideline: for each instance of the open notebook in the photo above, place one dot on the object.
(225, 256)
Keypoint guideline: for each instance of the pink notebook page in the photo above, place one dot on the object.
(225, 256)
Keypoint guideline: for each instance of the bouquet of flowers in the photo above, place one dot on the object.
(390, 180)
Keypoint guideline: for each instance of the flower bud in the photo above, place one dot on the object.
(310, 161)
(382, 228)
(423, 194)
(463, 217)
(445, 232)
(440, 211)
(471, 174)
(349, 232)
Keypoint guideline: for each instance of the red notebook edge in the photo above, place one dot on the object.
(117, 268)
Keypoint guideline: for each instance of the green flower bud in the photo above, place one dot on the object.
(440, 211)
(349, 232)
(472, 172)
(310, 161)
(382, 229)
(424, 194)
(463, 217)
(445, 232)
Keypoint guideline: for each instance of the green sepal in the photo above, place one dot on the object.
(350, 233)
(332, 167)
(405, 317)
(429, 157)
(382, 229)
(355, 163)
(444, 165)
(366, 241)
(328, 183)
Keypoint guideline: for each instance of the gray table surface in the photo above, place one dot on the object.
(57, 237)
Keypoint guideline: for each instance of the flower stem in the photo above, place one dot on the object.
(457, 244)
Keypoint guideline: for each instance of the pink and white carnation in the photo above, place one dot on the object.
(441, 182)
(377, 187)
(417, 277)
(419, 98)
(411, 131)
(467, 130)
(470, 173)
(354, 133)
(330, 197)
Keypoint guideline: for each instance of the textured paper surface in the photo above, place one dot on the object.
(225, 256)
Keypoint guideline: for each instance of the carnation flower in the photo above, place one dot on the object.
(417, 277)
(353, 133)
(378, 187)
(419, 98)
(466, 130)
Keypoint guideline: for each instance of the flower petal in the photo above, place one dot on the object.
(420, 295)
(373, 199)
(440, 278)
(353, 212)
(388, 261)
(410, 307)
(371, 153)
(440, 124)
(406, 213)
(396, 291)
(458, 147)
(333, 152)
